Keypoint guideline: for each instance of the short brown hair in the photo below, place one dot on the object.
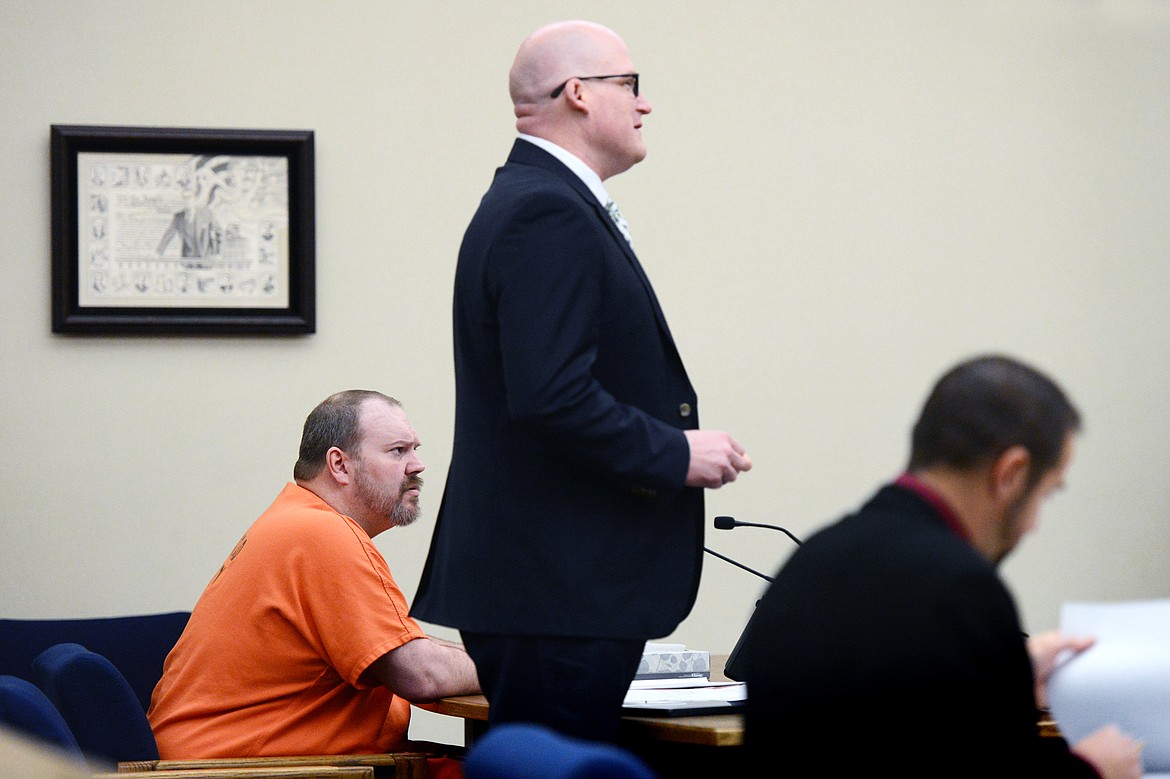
(982, 407)
(334, 422)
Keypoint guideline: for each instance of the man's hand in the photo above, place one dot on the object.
(1114, 754)
(716, 459)
(1046, 651)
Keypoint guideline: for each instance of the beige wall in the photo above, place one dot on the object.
(842, 199)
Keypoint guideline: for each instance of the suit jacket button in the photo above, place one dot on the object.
(684, 409)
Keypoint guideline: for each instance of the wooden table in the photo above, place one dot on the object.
(708, 730)
(708, 745)
(705, 745)
(399, 765)
(700, 746)
(712, 730)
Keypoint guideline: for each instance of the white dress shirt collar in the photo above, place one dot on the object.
(575, 164)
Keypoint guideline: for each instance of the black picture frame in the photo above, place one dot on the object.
(158, 256)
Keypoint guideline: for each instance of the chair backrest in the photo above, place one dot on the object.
(97, 703)
(137, 645)
(526, 751)
(25, 708)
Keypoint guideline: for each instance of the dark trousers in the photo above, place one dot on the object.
(573, 685)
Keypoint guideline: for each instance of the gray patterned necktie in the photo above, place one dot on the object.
(619, 220)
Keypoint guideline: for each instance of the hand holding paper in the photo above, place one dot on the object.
(1123, 680)
(1049, 651)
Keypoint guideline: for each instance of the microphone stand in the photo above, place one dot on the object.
(727, 559)
(733, 668)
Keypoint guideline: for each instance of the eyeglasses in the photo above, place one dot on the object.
(556, 92)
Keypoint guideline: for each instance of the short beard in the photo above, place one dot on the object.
(393, 508)
(1009, 533)
(404, 513)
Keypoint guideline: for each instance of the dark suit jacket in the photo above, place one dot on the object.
(887, 641)
(565, 511)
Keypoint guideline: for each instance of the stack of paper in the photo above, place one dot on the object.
(694, 696)
(1123, 679)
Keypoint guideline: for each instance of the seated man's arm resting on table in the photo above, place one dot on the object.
(425, 670)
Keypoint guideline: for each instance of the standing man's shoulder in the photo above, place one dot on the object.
(532, 169)
(532, 189)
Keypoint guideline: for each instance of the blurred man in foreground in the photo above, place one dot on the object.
(888, 640)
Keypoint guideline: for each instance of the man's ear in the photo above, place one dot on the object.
(337, 465)
(576, 94)
(1009, 474)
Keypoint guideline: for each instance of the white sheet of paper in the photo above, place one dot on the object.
(699, 690)
(1123, 679)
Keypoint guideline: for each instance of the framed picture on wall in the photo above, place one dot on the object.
(182, 231)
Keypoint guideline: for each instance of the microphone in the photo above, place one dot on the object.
(730, 523)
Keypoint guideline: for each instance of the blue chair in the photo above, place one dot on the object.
(23, 707)
(136, 644)
(96, 702)
(101, 710)
(526, 751)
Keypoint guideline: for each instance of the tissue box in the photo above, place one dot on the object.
(670, 661)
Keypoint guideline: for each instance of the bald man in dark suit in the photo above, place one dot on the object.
(571, 529)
